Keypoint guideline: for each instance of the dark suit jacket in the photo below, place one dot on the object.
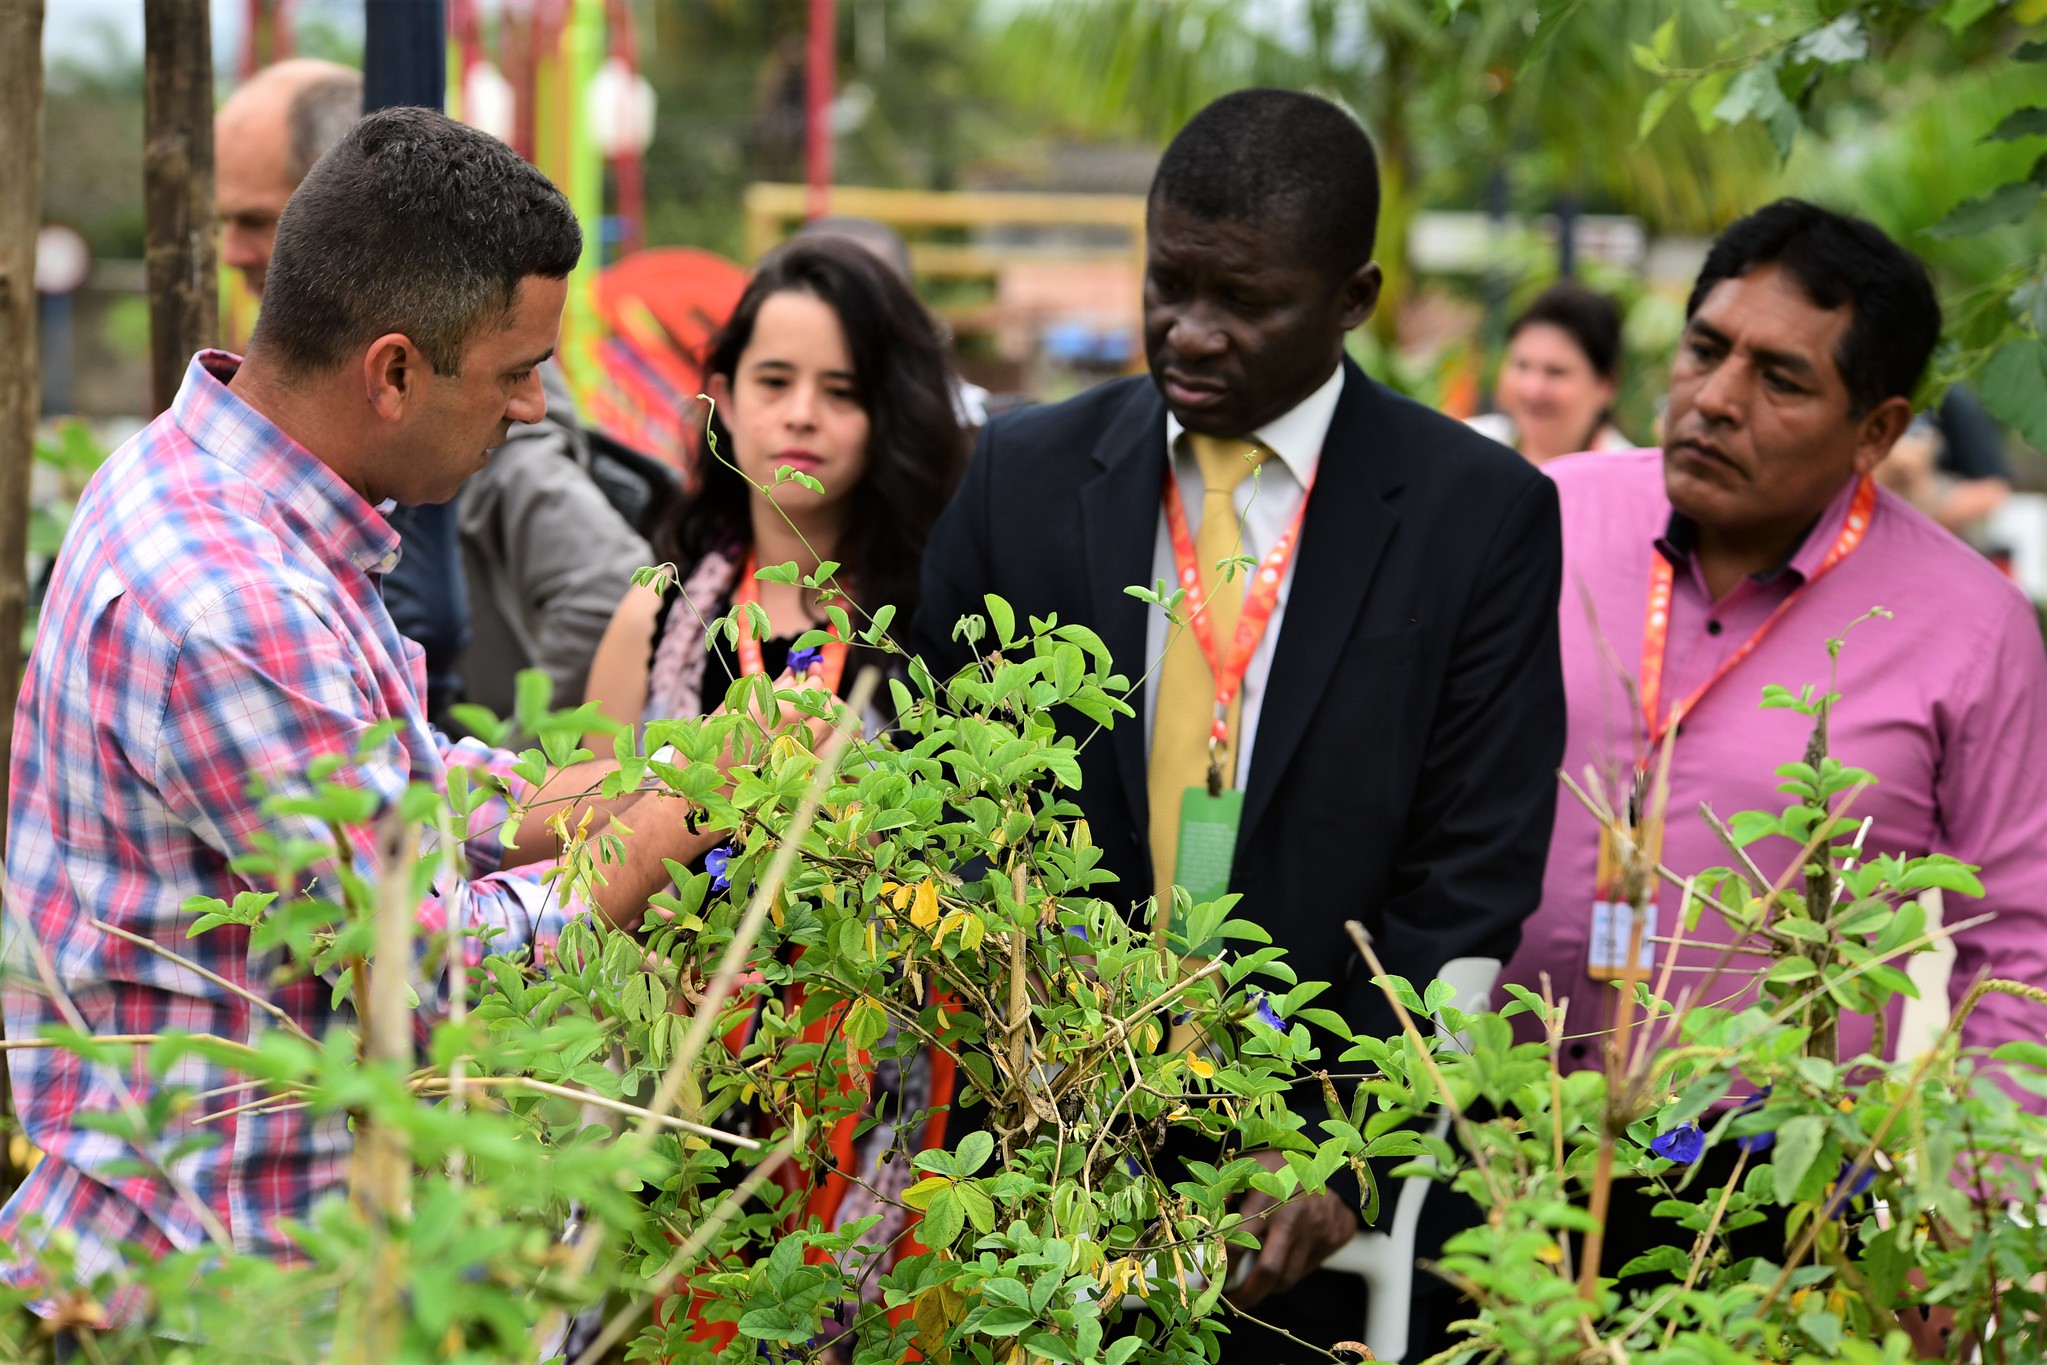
(1404, 771)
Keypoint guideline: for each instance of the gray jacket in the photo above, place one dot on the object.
(547, 557)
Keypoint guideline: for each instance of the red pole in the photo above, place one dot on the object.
(817, 104)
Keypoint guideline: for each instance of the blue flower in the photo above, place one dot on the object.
(716, 862)
(1839, 1199)
(1755, 1142)
(1682, 1145)
(800, 660)
(1077, 932)
(1268, 1013)
(1130, 1165)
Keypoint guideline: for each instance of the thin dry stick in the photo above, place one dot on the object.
(290, 1025)
(127, 1040)
(590, 1097)
(457, 969)
(1662, 870)
(1414, 1035)
(380, 1170)
(685, 1255)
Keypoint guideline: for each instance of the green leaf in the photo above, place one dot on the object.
(2030, 121)
(1121, 1349)
(1664, 1258)
(1655, 107)
(2035, 51)
(2014, 384)
(974, 1150)
(534, 695)
(786, 573)
(1961, 14)
(1973, 217)
(1798, 1144)
(1003, 618)
(979, 1208)
(943, 1221)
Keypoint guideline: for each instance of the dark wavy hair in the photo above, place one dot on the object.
(916, 449)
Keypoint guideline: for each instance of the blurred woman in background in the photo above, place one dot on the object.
(831, 368)
(1556, 388)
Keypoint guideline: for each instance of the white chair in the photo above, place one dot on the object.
(1384, 1259)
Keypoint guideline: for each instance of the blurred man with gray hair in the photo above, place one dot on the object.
(265, 138)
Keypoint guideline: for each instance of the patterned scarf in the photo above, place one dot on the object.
(675, 680)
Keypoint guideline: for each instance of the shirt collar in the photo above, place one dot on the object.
(1681, 536)
(220, 424)
(1295, 436)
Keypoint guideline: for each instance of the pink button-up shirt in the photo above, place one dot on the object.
(1946, 703)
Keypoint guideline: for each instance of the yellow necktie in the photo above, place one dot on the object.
(1185, 714)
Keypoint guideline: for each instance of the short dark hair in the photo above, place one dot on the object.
(412, 223)
(916, 448)
(320, 115)
(1591, 319)
(1283, 158)
(1840, 262)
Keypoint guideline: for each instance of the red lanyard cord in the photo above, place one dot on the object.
(1656, 620)
(831, 665)
(1261, 598)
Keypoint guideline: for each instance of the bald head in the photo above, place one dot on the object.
(265, 138)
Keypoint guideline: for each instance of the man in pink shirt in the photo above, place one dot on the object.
(1807, 332)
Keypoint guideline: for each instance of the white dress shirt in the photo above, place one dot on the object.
(1266, 503)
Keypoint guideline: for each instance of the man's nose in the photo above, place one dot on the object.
(1194, 334)
(529, 400)
(1724, 394)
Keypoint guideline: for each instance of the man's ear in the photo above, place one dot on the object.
(393, 373)
(1359, 294)
(1879, 430)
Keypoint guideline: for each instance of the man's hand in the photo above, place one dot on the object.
(1293, 1238)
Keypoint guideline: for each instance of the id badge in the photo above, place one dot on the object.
(1607, 950)
(1207, 844)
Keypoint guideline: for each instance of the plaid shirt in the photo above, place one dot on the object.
(214, 615)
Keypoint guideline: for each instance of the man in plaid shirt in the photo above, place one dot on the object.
(215, 615)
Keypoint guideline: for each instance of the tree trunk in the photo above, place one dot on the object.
(21, 171)
(177, 189)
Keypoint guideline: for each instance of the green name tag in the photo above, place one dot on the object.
(1208, 843)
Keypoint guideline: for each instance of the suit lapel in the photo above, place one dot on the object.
(1119, 511)
(1350, 521)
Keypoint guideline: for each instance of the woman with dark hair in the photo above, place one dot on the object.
(831, 369)
(1556, 389)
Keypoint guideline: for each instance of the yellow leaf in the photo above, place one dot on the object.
(956, 922)
(896, 894)
(1200, 1066)
(2030, 12)
(1550, 1254)
(924, 909)
(920, 1195)
(972, 932)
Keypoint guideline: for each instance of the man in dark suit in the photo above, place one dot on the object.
(1395, 734)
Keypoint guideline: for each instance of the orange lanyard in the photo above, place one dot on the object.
(1260, 599)
(832, 661)
(1656, 623)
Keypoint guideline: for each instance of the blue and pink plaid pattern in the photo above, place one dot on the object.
(214, 615)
